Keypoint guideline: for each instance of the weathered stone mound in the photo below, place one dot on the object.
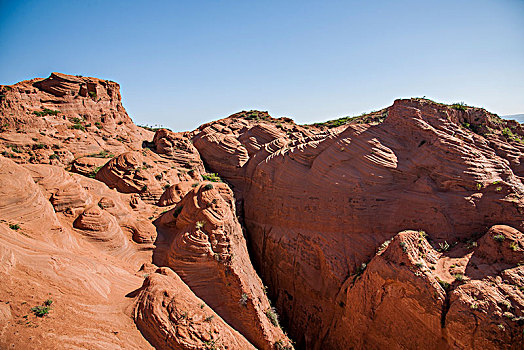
(204, 244)
(171, 317)
(53, 120)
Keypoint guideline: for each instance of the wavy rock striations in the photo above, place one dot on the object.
(317, 207)
(399, 229)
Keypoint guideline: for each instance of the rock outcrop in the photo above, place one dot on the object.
(171, 317)
(399, 229)
(316, 207)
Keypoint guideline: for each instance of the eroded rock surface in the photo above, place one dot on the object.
(317, 205)
(400, 229)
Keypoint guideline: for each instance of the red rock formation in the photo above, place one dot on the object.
(204, 244)
(321, 206)
(171, 317)
(317, 207)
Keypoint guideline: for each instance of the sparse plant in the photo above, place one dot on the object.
(272, 315)
(93, 173)
(15, 227)
(514, 246)
(461, 106)
(243, 299)
(471, 244)
(443, 247)
(54, 156)
(459, 277)
(445, 285)
(199, 224)
(478, 186)
(42, 310)
(101, 154)
(404, 246)
(209, 318)
(383, 246)
(45, 111)
(211, 177)
(208, 187)
(499, 238)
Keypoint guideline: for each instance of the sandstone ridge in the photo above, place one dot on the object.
(397, 229)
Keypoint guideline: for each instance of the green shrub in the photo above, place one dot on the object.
(272, 315)
(177, 211)
(15, 227)
(499, 238)
(45, 112)
(101, 154)
(459, 277)
(39, 146)
(461, 106)
(92, 174)
(208, 187)
(42, 310)
(211, 177)
(54, 156)
(243, 300)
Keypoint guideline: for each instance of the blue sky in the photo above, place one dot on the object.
(183, 63)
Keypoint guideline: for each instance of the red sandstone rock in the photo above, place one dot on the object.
(316, 203)
(171, 317)
(317, 207)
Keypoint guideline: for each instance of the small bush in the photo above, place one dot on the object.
(39, 146)
(443, 284)
(499, 238)
(443, 247)
(45, 112)
(272, 315)
(212, 177)
(92, 174)
(92, 94)
(404, 247)
(208, 187)
(459, 277)
(41, 310)
(101, 154)
(54, 156)
(177, 211)
(514, 246)
(15, 227)
(199, 224)
(78, 126)
(243, 300)
(461, 106)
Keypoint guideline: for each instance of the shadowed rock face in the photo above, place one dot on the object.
(401, 229)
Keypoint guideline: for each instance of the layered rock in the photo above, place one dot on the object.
(53, 120)
(171, 317)
(318, 206)
(202, 241)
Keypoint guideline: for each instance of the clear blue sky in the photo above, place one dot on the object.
(183, 63)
